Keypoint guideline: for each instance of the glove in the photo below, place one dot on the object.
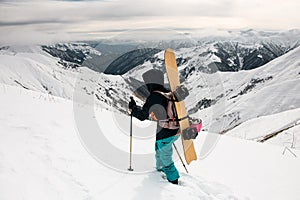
(132, 104)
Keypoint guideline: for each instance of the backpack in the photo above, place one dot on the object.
(172, 121)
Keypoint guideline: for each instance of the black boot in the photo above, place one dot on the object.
(174, 182)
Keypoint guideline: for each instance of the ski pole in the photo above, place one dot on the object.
(130, 168)
(180, 158)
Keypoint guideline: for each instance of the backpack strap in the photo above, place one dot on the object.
(171, 122)
(168, 95)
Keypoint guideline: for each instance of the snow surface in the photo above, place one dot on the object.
(32, 68)
(42, 157)
(256, 129)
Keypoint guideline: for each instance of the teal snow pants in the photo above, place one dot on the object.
(163, 155)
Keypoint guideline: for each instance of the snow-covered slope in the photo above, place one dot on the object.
(42, 157)
(270, 89)
(32, 68)
(284, 125)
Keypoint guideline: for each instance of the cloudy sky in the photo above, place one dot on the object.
(50, 21)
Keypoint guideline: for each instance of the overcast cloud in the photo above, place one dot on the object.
(49, 21)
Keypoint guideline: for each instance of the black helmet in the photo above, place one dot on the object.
(154, 80)
(154, 76)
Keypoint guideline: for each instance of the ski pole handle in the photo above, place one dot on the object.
(131, 104)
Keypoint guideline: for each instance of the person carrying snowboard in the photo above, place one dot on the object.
(156, 106)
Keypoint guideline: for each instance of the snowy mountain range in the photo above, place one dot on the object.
(222, 56)
(209, 56)
(230, 82)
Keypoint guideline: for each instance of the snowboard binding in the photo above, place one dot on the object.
(180, 93)
(192, 131)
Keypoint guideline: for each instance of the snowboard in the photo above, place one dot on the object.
(173, 77)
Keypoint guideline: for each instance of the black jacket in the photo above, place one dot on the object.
(156, 103)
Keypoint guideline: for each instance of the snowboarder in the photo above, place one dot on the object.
(156, 107)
